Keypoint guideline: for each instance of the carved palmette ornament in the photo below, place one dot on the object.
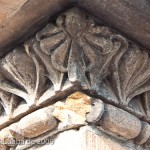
(78, 52)
(75, 45)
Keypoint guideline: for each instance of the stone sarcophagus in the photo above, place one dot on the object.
(78, 79)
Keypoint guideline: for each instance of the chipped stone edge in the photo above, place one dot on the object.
(140, 137)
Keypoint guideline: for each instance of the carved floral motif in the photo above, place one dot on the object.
(130, 77)
(76, 45)
(78, 52)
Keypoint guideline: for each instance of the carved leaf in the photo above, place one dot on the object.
(107, 47)
(55, 76)
(146, 103)
(130, 74)
(8, 101)
(21, 77)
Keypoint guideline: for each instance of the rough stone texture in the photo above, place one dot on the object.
(74, 50)
(35, 123)
(144, 134)
(147, 144)
(86, 139)
(131, 17)
(8, 8)
(74, 110)
(81, 53)
(4, 147)
(99, 142)
(97, 111)
(20, 17)
(5, 134)
(120, 122)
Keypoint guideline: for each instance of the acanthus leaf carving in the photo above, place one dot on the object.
(77, 51)
(129, 77)
(21, 77)
(132, 74)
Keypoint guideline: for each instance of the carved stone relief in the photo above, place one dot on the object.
(74, 53)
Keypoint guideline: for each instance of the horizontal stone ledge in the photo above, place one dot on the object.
(130, 17)
(27, 16)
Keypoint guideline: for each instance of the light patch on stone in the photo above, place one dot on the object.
(68, 140)
(74, 110)
(37, 123)
(31, 125)
(5, 134)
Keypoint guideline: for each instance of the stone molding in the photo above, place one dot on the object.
(75, 53)
(43, 124)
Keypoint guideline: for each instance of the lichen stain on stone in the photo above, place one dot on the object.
(74, 109)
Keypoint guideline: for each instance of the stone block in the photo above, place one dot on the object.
(97, 111)
(120, 122)
(35, 123)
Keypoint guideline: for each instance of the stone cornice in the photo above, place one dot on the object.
(134, 23)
